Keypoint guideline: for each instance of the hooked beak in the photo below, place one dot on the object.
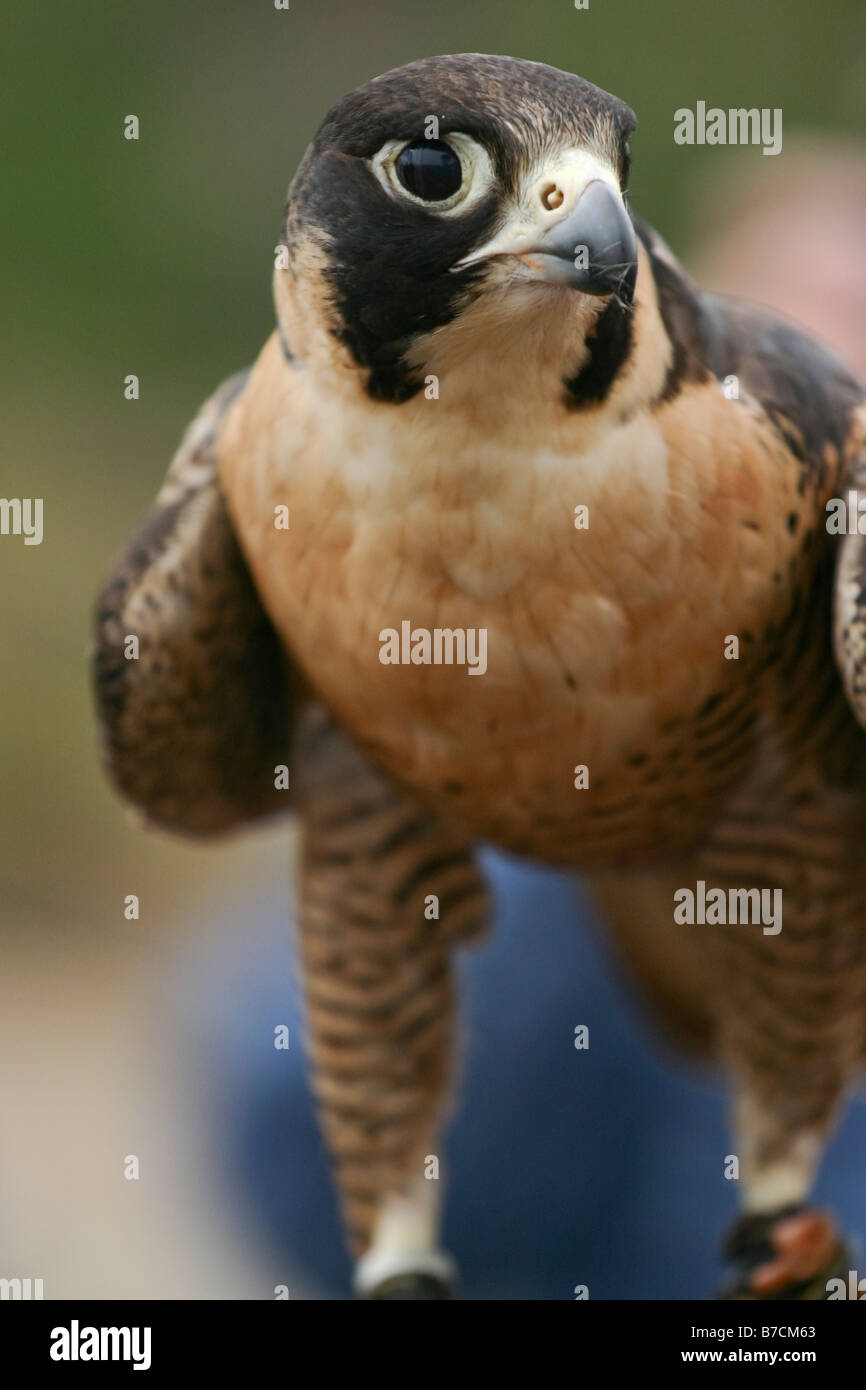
(589, 245)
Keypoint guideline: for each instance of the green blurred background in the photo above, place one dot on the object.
(154, 257)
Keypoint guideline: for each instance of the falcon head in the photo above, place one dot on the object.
(455, 191)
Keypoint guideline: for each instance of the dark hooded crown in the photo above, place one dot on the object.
(389, 261)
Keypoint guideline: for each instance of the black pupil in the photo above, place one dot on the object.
(430, 169)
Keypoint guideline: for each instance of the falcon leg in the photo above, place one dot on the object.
(781, 1247)
(385, 892)
(792, 1028)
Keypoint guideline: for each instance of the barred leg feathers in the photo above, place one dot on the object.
(385, 894)
(792, 1027)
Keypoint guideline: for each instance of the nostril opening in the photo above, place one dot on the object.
(552, 196)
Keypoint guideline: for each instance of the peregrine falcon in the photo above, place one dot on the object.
(513, 535)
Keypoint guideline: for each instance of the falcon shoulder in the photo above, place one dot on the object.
(192, 687)
(817, 407)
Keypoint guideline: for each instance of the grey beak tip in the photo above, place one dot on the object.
(599, 227)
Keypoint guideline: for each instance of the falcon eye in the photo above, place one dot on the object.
(430, 170)
(447, 177)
